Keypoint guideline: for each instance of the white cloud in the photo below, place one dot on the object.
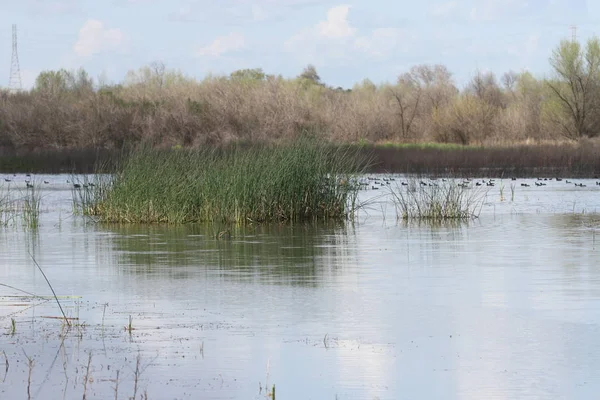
(94, 38)
(223, 44)
(328, 39)
(336, 25)
(336, 39)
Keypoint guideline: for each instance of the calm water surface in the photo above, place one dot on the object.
(506, 306)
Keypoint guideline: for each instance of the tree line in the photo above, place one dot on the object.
(162, 107)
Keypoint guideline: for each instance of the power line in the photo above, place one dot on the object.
(14, 82)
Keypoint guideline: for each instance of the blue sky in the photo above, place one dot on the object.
(346, 40)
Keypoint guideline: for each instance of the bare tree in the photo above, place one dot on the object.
(436, 83)
(485, 87)
(159, 68)
(407, 94)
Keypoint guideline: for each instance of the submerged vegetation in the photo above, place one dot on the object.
(298, 182)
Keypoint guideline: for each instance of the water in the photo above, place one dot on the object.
(505, 306)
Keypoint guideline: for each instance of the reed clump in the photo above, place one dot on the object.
(295, 182)
(449, 200)
(31, 207)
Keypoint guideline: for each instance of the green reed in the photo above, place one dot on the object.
(297, 182)
(440, 201)
(31, 207)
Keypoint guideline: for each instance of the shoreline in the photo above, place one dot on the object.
(520, 161)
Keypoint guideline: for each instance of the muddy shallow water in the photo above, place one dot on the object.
(504, 306)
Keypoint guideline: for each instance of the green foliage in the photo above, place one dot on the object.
(55, 83)
(31, 208)
(429, 145)
(439, 201)
(310, 75)
(298, 182)
(248, 75)
(576, 88)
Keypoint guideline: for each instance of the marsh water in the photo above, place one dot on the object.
(503, 306)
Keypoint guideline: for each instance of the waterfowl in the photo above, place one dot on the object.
(29, 185)
(46, 182)
(76, 185)
(524, 184)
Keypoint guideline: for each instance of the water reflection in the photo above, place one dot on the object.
(282, 254)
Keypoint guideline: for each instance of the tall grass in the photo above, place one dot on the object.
(295, 182)
(20, 206)
(31, 208)
(448, 200)
(6, 208)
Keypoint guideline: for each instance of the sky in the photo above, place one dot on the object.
(346, 40)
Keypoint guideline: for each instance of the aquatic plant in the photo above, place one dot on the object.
(301, 181)
(31, 207)
(437, 201)
(129, 327)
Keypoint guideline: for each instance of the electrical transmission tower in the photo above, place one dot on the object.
(14, 83)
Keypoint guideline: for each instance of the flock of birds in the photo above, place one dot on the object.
(29, 184)
(375, 183)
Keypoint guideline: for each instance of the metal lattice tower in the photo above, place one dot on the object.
(14, 83)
